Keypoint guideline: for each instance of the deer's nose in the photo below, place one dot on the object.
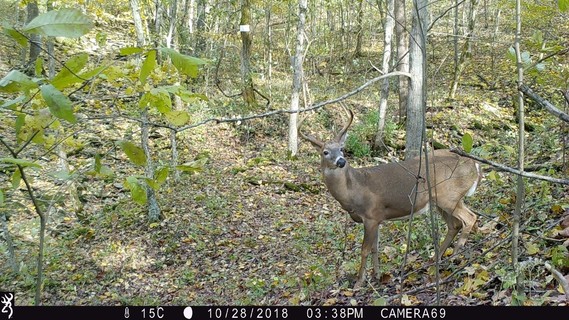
(341, 162)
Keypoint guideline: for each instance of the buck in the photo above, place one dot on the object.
(393, 191)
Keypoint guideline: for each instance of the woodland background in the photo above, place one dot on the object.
(148, 155)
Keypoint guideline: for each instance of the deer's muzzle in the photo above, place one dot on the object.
(341, 162)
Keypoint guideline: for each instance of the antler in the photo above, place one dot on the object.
(350, 114)
(310, 138)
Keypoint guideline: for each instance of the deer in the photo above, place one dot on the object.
(396, 190)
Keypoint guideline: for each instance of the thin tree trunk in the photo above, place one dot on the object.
(417, 86)
(200, 26)
(246, 77)
(388, 35)
(172, 26)
(138, 26)
(466, 51)
(158, 22)
(152, 202)
(520, 193)
(402, 55)
(297, 79)
(360, 29)
(35, 39)
(268, 45)
(9, 242)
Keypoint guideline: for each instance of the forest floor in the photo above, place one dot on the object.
(257, 228)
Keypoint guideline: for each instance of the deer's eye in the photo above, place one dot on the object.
(342, 150)
(325, 152)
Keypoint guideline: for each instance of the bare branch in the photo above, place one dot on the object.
(311, 108)
(511, 170)
(544, 103)
(560, 278)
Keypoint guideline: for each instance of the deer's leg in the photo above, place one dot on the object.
(468, 220)
(453, 227)
(374, 253)
(370, 234)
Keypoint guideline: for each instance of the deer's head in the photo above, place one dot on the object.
(331, 152)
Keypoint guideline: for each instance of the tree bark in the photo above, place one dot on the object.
(466, 51)
(388, 35)
(402, 55)
(360, 29)
(417, 86)
(246, 77)
(297, 79)
(152, 203)
(173, 12)
(520, 186)
(200, 26)
(138, 26)
(35, 39)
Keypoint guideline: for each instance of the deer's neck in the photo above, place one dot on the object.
(340, 183)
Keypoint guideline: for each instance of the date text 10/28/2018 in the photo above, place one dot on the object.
(326, 313)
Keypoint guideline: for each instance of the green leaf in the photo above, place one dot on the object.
(97, 164)
(161, 175)
(177, 117)
(126, 51)
(137, 191)
(11, 104)
(511, 54)
(69, 23)
(194, 166)
(38, 67)
(12, 33)
(68, 74)
(16, 178)
(148, 65)
(21, 162)
(467, 142)
(157, 97)
(563, 5)
(184, 64)
(1, 197)
(134, 153)
(185, 94)
(16, 81)
(19, 124)
(59, 104)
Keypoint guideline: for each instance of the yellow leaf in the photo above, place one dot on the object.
(532, 248)
(330, 302)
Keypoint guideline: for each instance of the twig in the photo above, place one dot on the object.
(311, 108)
(560, 278)
(511, 170)
(544, 103)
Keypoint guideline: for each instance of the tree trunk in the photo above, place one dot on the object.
(402, 55)
(157, 22)
(297, 79)
(388, 35)
(138, 26)
(35, 39)
(417, 86)
(200, 27)
(173, 12)
(466, 51)
(360, 29)
(520, 194)
(152, 202)
(246, 77)
(268, 45)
